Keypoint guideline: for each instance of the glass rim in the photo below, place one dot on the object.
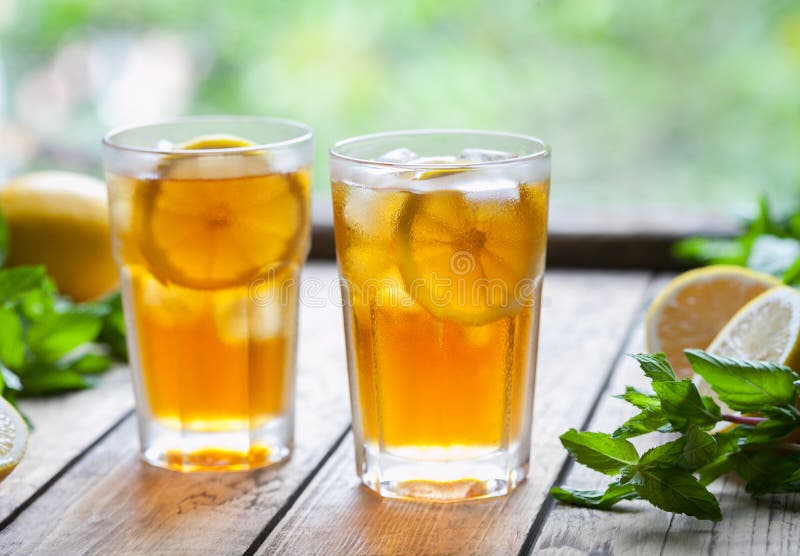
(542, 153)
(305, 134)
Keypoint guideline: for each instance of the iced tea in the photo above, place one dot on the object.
(210, 246)
(441, 260)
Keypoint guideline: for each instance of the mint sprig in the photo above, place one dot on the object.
(758, 446)
(769, 242)
(49, 344)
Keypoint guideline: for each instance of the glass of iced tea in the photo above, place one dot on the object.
(210, 228)
(440, 239)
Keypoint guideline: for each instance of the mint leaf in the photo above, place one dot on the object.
(743, 385)
(599, 451)
(711, 250)
(765, 432)
(700, 449)
(650, 419)
(639, 399)
(683, 406)
(35, 304)
(12, 345)
(113, 331)
(647, 421)
(655, 366)
(52, 382)
(10, 380)
(792, 274)
(690, 452)
(666, 455)
(90, 363)
(18, 280)
(59, 333)
(773, 255)
(598, 499)
(676, 491)
(715, 469)
(769, 471)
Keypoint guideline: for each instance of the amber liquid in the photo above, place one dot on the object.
(450, 380)
(211, 305)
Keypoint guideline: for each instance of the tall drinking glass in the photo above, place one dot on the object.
(440, 239)
(210, 227)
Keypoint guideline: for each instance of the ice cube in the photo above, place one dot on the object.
(165, 145)
(484, 155)
(398, 156)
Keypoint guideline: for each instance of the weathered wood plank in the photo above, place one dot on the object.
(633, 528)
(769, 525)
(65, 426)
(112, 503)
(586, 317)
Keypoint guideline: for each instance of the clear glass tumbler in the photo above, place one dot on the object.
(210, 228)
(440, 240)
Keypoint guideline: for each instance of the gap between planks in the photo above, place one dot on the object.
(60, 473)
(550, 502)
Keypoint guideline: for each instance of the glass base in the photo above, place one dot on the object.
(238, 450)
(408, 476)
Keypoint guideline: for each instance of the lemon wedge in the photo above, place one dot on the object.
(13, 438)
(694, 307)
(766, 329)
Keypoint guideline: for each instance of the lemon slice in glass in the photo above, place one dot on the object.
(466, 259)
(218, 221)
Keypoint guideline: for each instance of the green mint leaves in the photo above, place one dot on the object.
(599, 451)
(746, 386)
(760, 446)
(49, 344)
(770, 244)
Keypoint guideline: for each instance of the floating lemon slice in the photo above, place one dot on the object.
(215, 141)
(219, 221)
(695, 306)
(470, 260)
(434, 173)
(13, 438)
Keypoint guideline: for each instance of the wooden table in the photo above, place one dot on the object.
(82, 488)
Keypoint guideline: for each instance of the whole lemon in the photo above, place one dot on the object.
(60, 220)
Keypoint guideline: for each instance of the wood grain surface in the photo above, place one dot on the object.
(82, 488)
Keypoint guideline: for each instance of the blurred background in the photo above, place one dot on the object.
(676, 102)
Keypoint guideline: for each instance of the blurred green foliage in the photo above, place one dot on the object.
(679, 101)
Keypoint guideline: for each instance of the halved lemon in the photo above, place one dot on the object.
(695, 306)
(13, 438)
(470, 260)
(766, 329)
(218, 221)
